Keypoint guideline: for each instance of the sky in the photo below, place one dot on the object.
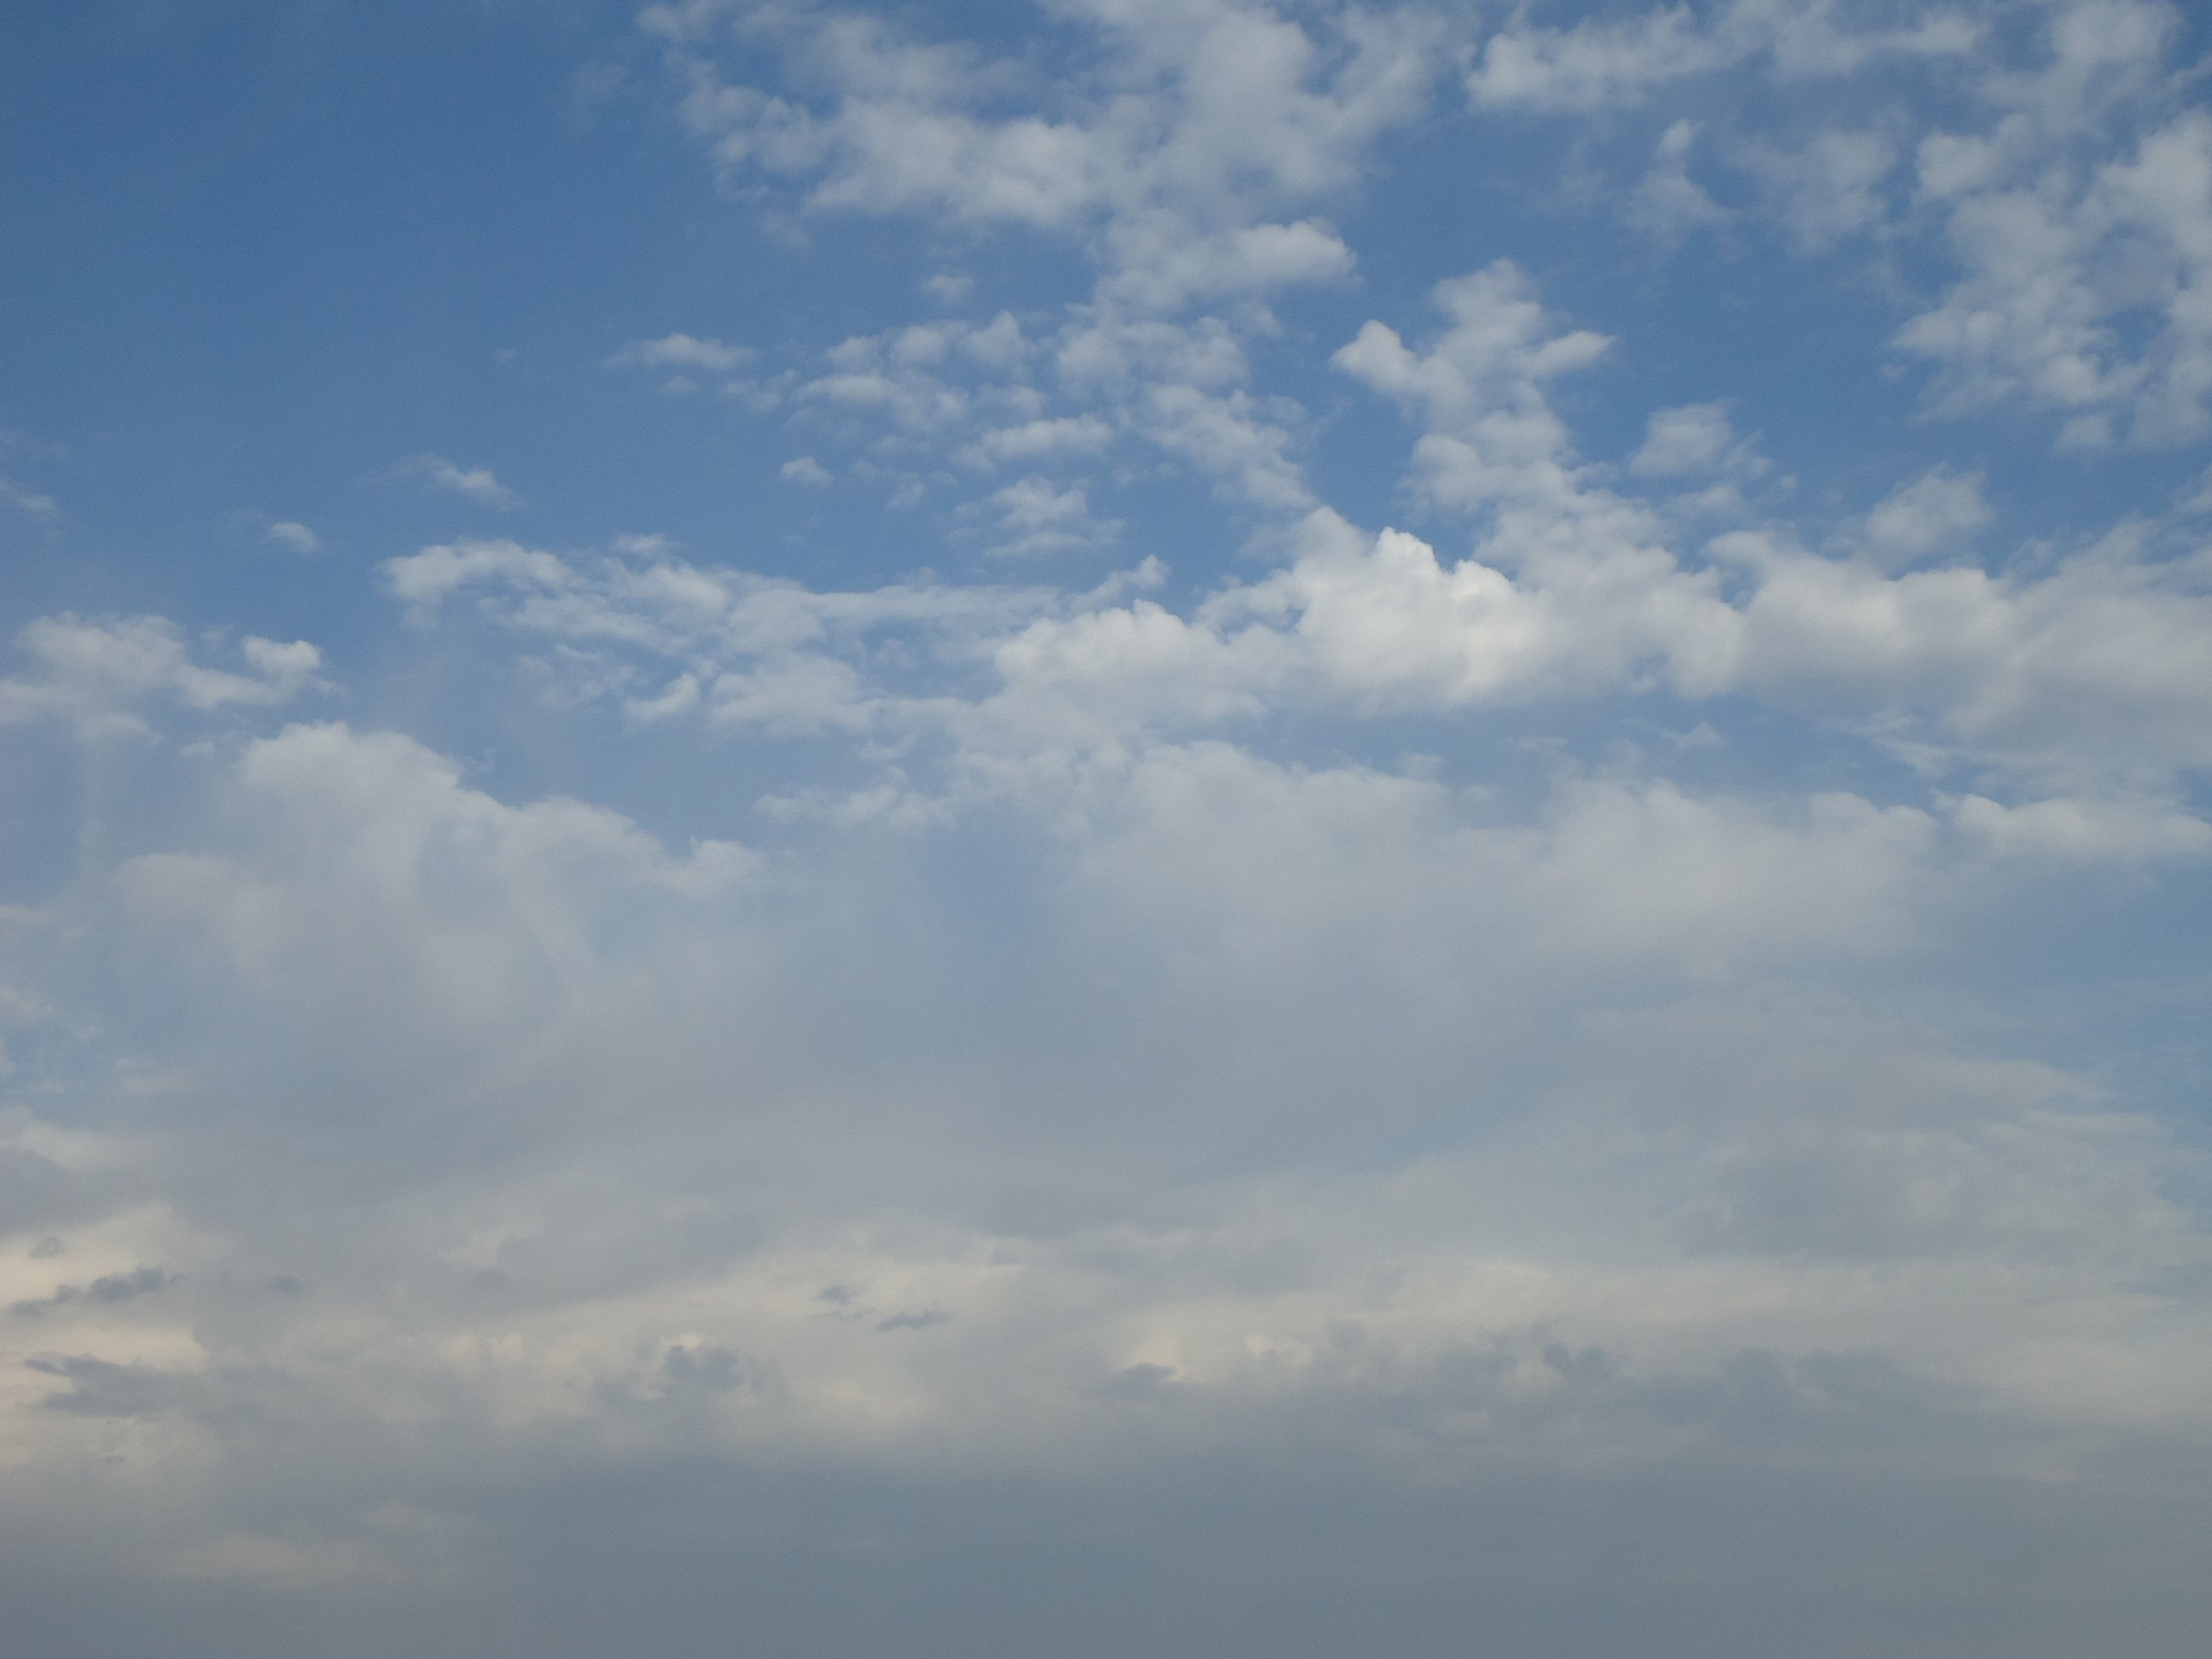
(1034, 829)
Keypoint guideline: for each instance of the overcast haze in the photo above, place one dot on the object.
(1106, 827)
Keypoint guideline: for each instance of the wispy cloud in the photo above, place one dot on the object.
(475, 483)
(31, 501)
(681, 351)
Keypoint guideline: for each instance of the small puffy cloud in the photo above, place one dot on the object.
(475, 483)
(291, 534)
(1030, 440)
(1252, 259)
(1479, 388)
(1036, 516)
(427, 578)
(1667, 204)
(1498, 348)
(1832, 187)
(681, 351)
(804, 470)
(1694, 438)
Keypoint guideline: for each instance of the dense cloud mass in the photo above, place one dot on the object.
(1364, 830)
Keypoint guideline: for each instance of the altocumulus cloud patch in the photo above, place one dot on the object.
(1372, 829)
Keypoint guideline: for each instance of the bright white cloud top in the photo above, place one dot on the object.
(1212, 828)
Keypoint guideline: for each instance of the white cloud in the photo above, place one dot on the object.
(1694, 438)
(94, 673)
(1047, 435)
(1667, 204)
(1935, 512)
(2065, 180)
(475, 483)
(2089, 831)
(2090, 669)
(1832, 188)
(1602, 64)
(1492, 437)
(429, 577)
(1172, 160)
(2080, 279)
(290, 534)
(806, 470)
(1724, 1167)
(1033, 515)
(1594, 65)
(681, 351)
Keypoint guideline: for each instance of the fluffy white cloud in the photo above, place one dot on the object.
(2054, 269)
(1168, 158)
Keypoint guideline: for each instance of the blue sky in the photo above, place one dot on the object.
(1028, 829)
